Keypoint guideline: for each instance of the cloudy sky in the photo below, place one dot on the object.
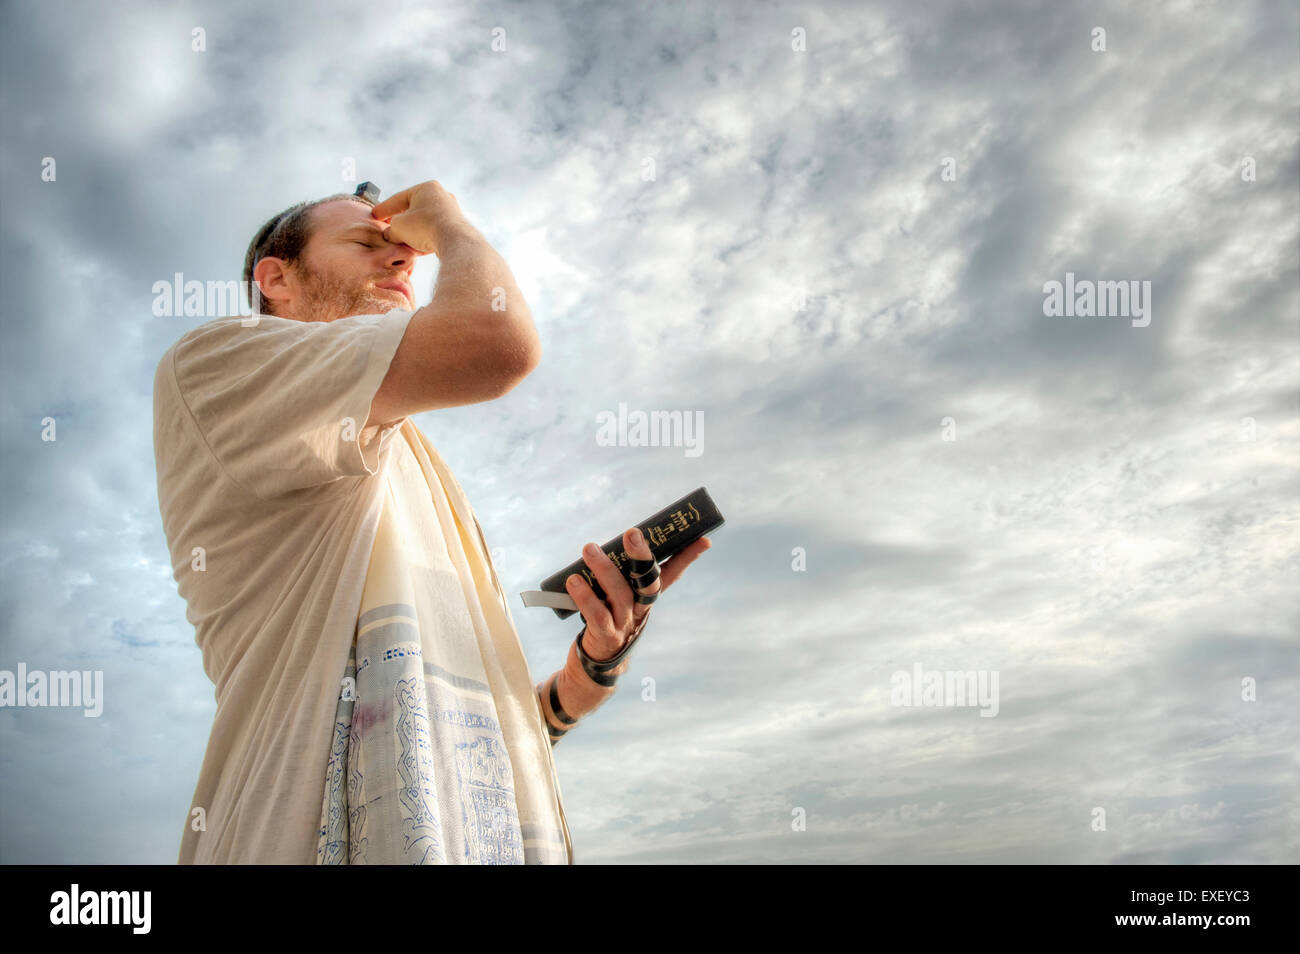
(826, 231)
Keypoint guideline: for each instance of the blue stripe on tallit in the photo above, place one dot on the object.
(383, 612)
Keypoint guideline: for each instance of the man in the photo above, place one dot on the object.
(373, 701)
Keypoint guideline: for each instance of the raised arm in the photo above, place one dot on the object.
(475, 341)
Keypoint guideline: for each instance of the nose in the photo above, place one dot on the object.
(400, 256)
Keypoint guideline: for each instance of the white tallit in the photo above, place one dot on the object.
(440, 752)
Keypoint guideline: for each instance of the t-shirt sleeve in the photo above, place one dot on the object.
(282, 404)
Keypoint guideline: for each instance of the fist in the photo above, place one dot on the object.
(419, 216)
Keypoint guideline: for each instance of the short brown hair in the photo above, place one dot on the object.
(285, 237)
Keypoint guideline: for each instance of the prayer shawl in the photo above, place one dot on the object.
(440, 753)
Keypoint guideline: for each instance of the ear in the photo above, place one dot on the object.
(274, 280)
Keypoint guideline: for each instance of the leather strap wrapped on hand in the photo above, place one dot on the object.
(598, 670)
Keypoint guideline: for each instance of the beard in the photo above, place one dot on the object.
(329, 297)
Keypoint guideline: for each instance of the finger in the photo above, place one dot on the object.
(592, 607)
(399, 232)
(635, 545)
(409, 249)
(394, 240)
(672, 568)
(617, 592)
(395, 230)
(395, 203)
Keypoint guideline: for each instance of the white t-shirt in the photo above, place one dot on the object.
(271, 489)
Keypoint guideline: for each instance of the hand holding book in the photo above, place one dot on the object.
(611, 621)
(668, 532)
(600, 586)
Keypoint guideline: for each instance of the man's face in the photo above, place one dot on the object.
(347, 268)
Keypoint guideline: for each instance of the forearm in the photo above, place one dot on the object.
(574, 691)
(473, 278)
